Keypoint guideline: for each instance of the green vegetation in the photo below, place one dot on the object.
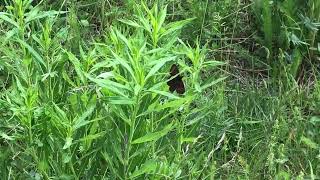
(84, 89)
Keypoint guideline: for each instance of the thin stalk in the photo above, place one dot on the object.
(71, 166)
(102, 15)
(203, 20)
(132, 130)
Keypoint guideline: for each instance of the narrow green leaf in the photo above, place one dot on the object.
(148, 167)
(105, 75)
(311, 144)
(121, 114)
(10, 34)
(130, 23)
(190, 139)
(154, 136)
(159, 65)
(174, 26)
(297, 60)
(213, 63)
(177, 103)
(68, 143)
(77, 66)
(145, 24)
(6, 137)
(5, 17)
(110, 164)
(119, 100)
(61, 113)
(124, 64)
(32, 51)
(93, 136)
(124, 39)
(162, 17)
(212, 83)
(82, 120)
(315, 120)
(36, 14)
(112, 86)
(66, 158)
(164, 93)
(20, 87)
(197, 119)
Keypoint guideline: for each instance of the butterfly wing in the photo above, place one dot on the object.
(174, 70)
(171, 85)
(179, 86)
(175, 84)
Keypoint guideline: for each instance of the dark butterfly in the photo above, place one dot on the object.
(175, 84)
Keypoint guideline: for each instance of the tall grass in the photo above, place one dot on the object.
(290, 31)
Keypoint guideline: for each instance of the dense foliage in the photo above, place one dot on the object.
(84, 89)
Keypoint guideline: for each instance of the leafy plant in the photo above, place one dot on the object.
(111, 105)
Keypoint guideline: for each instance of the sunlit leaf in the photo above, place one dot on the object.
(68, 143)
(130, 23)
(5, 17)
(6, 137)
(119, 100)
(159, 65)
(93, 136)
(77, 66)
(310, 143)
(154, 136)
(148, 167)
(209, 84)
(164, 93)
(83, 119)
(174, 26)
(32, 51)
